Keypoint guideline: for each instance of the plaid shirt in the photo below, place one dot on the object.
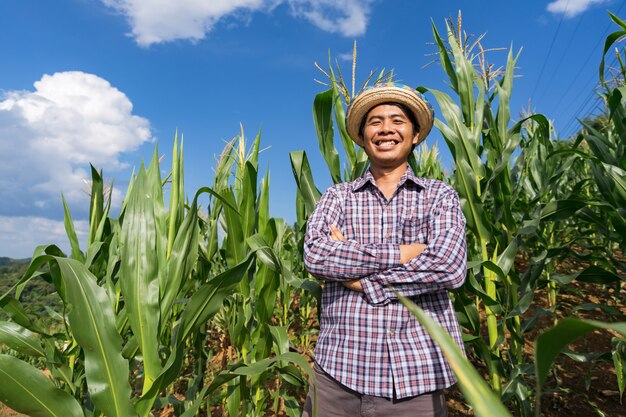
(368, 340)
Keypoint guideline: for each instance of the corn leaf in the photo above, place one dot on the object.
(340, 119)
(20, 339)
(235, 240)
(247, 196)
(175, 197)
(92, 321)
(184, 254)
(17, 313)
(96, 205)
(304, 180)
(25, 389)
(322, 116)
(264, 203)
(592, 274)
(610, 40)
(551, 342)
(205, 302)
(483, 401)
(444, 58)
(561, 209)
(139, 271)
(71, 232)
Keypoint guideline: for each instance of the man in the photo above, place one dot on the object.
(387, 232)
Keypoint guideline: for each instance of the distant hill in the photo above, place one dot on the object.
(37, 295)
(10, 261)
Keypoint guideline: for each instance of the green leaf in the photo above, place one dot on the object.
(71, 232)
(141, 256)
(25, 389)
(340, 119)
(92, 321)
(444, 58)
(322, 116)
(264, 203)
(561, 209)
(470, 201)
(96, 206)
(551, 342)
(281, 338)
(15, 311)
(592, 274)
(304, 180)
(234, 242)
(176, 199)
(204, 304)
(20, 339)
(619, 357)
(610, 40)
(483, 401)
(248, 199)
(618, 175)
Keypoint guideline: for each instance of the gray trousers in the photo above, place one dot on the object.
(336, 400)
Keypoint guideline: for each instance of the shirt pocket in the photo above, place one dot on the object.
(414, 228)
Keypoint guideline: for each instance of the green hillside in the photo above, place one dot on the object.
(36, 295)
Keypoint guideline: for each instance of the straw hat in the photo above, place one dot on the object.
(389, 93)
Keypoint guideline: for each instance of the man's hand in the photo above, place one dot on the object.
(336, 235)
(408, 252)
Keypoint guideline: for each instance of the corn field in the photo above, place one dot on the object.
(177, 309)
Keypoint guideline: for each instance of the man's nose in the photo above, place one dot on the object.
(387, 125)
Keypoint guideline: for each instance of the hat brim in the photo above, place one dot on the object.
(371, 98)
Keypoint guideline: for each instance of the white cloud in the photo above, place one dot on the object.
(155, 21)
(49, 136)
(571, 8)
(19, 236)
(347, 17)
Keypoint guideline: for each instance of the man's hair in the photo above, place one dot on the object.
(407, 112)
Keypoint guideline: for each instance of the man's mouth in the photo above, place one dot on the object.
(386, 143)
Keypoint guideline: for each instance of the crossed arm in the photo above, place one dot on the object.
(381, 270)
(407, 252)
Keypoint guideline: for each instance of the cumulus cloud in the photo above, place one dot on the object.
(20, 235)
(571, 8)
(155, 21)
(49, 136)
(347, 17)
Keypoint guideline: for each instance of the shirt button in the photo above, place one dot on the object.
(392, 333)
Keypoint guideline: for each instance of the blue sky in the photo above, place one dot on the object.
(104, 81)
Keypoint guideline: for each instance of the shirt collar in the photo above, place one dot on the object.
(408, 175)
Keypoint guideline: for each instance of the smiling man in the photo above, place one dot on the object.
(386, 233)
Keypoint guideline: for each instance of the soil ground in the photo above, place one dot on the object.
(574, 389)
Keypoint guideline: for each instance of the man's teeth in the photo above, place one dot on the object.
(386, 142)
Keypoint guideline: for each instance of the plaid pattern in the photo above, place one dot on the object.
(368, 341)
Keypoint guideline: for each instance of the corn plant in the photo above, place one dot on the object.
(482, 144)
(139, 299)
(267, 293)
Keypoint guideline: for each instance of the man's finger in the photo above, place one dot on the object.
(336, 233)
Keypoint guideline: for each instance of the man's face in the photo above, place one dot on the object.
(388, 136)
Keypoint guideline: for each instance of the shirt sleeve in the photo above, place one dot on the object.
(344, 260)
(441, 266)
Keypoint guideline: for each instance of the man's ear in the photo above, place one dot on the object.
(416, 137)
